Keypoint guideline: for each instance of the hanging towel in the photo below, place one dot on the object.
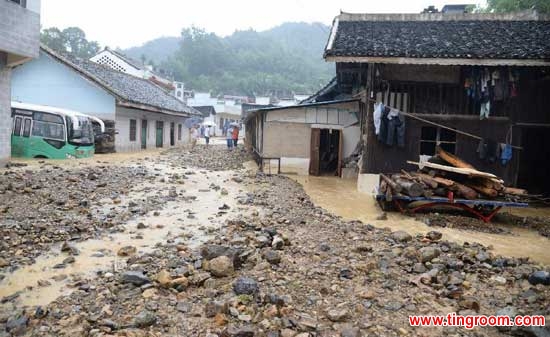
(505, 154)
(377, 116)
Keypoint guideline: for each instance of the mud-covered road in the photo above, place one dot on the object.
(197, 243)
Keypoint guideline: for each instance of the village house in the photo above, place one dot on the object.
(118, 61)
(140, 114)
(19, 43)
(219, 111)
(309, 138)
(475, 85)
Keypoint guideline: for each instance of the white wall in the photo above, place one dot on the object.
(122, 138)
(116, 63)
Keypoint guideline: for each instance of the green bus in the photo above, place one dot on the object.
(46, 132)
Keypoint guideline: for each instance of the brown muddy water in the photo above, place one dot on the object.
(340, 196)
(188, 222)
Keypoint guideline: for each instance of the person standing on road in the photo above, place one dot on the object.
(229, 138)
(235, 136)
(207, 134)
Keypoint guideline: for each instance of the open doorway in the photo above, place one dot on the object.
(535, 161)
(326, 152)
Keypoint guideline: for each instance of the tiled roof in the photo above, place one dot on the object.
(205, 110)
(127, 88)
(463, 37)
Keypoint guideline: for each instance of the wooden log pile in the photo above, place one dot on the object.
(446, 173)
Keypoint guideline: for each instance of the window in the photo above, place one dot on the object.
(431, 137)
(27, 128)
(179, 131)
(22, 3)
(48, 130)
(17, 126)
(133, 130)
(179, 85)
(179, 93)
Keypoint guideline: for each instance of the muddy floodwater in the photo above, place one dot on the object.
(341, 197)
(188, 220)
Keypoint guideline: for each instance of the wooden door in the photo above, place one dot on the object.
(314, 155)
(160, 134)
(144, 134)
(340, 151)
(172, 134)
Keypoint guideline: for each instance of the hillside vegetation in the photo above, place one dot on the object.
(287, 58)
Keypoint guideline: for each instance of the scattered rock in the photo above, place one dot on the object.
(272, 257)
(127, 251)
(401, 236)
(221, 266)
(338, 314)
(540, 277)
(245, 286)
(69, 248)
(135, 277)
(145, 319)
(428, 253)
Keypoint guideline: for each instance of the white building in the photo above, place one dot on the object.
(123, 63)
(141, 114)
(226, 110)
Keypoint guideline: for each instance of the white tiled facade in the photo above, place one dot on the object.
(122, 125)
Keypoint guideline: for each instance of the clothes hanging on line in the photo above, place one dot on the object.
(392, 127)
(377, 116)
(485, 110)
(506, 149)
(488, 150)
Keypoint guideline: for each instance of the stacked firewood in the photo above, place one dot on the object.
(446, 173)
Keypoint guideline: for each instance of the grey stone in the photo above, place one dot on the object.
(401, 236)
(272, 257)
(338, 314)
(245, 286)
(144, 319)
(428, 253)
(221, 266)
(213, 308)
(135, 277)
(539, 277)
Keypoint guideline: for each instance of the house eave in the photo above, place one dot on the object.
(139, 106)
(439, 61)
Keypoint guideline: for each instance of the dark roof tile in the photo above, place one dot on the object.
(476, 39)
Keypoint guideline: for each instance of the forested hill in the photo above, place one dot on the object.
(286, 58)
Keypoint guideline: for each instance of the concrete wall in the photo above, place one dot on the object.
(47, 82)
(19, 31)
(287, 140)
(337, 114)
(5, 110)
(352, 135)
(122, 126)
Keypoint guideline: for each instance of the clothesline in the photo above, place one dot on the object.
(442, 126)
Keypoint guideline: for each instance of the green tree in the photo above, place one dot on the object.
(53, 38)
(70, 40)
(286, 59)
(505, 6)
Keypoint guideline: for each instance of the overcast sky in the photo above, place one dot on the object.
(127, 23)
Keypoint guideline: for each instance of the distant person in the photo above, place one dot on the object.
(207, 134)
(229, 138)
(235, 136)
(202, 130)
